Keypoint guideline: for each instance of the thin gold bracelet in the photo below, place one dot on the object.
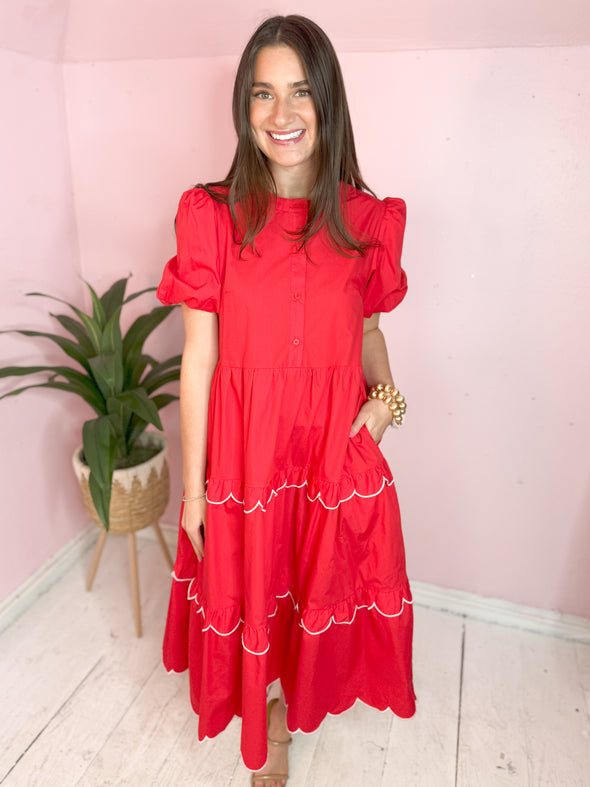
(190, 499)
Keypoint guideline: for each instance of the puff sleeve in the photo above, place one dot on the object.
(193, 276)
(387, 285)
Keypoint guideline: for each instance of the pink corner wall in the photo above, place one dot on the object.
(489, 148)
(39, 506)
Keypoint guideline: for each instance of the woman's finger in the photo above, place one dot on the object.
(357, 425)
(193, 522)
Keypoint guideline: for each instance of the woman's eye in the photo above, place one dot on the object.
(304, 91)
(262, 94)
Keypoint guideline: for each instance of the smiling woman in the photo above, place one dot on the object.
(283, 119)
(290, 563)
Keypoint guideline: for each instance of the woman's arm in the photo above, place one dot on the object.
(199, 358)
(374, 414)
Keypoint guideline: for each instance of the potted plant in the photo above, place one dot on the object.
(121, 384)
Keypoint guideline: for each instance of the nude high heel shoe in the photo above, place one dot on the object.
(271, 777)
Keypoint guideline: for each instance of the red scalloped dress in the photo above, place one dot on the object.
(304, 577)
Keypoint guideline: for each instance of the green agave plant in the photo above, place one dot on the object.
(116, 378)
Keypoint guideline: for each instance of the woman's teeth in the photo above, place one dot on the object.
(285, 137)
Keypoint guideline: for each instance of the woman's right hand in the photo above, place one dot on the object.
(193, 521)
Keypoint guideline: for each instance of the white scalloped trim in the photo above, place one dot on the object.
(318, 497)
(362, 606)
(272, 614)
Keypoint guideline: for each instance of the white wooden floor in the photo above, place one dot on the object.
(84, 702)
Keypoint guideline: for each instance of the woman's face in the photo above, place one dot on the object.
(282, 114)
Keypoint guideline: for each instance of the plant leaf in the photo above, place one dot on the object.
(141, 405)
(113, 297)
(70, 348)
(98, 315)
(137, 425)
(98, 441)
(161, 400)
(150, 383)
(81, 384)
(136, 428)
(111, 341)
(120, 418)
(141, 329)
(58, 386)
(94, 331)
(171, 376)
(77, 330)
(91, 327)
(21, 371)
(135, 370)
(108, 372)
(137, 294)
(101, 497)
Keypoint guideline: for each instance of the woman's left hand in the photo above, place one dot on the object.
(375, 416)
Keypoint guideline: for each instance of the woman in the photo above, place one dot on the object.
(291, 564)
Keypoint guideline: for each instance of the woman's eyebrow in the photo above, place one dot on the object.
(269, 86)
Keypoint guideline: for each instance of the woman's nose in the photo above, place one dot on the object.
(283, 111)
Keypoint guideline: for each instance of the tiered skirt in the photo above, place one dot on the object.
(303, 579)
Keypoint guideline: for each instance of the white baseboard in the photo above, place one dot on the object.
(502, 613)
(38, 583)
(13, 606)
(457, 602)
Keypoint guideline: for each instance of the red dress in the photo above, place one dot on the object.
(304, 572)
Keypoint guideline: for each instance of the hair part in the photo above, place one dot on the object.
(249, 186)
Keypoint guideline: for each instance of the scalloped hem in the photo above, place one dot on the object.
(331, 495)
(366, 663)
(326, 618)
(356, 701)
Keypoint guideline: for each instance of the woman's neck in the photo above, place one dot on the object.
(293, 182)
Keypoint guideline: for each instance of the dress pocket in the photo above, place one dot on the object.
(364, 429)
(364, 448)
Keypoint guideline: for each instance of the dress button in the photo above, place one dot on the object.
(295, 342)
(296, 296)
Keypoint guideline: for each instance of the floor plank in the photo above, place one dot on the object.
(422, 750)
(523, 715)
(583, 659)
(350, 748)
(200, 763)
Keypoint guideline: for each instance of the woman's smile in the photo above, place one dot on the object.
(286, 137)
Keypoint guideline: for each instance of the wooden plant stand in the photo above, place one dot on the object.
(139, 497)
(134, 574)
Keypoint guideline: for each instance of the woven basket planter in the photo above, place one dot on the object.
(139, 494)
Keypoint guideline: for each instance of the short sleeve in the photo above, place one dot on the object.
(387, 283)
(193, 276)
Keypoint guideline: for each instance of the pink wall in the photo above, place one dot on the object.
(109, 29)
(490, 149)
(488, 146)
(39, 506)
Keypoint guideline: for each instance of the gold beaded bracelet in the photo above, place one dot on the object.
(393, 399)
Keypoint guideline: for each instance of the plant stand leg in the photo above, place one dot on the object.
(134, 582)
(96, 559)
(163, 545)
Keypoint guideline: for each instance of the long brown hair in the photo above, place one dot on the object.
(249, 182)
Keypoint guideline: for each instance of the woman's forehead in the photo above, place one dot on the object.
(279, 63)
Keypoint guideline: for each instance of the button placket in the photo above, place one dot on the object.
(297, 306)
